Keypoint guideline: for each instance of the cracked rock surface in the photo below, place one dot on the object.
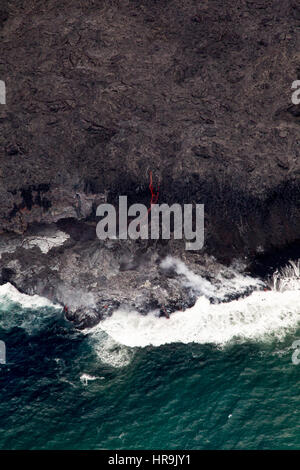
(99, 93)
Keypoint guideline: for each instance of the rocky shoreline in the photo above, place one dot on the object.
(91, 278)
(98, 95)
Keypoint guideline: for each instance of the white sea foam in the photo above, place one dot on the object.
(28, 312)
(113, 353)
(262, 315)
(86, 378)
(9, 293)
(109, 351)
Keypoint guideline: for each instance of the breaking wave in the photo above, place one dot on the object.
(263, 315)
(25, 311)
(9, 294)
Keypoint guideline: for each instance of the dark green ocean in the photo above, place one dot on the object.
(65, 389)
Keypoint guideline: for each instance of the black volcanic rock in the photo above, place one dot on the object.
(99, 93)
(91, 278)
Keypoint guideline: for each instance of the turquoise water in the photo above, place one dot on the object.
(176, 396)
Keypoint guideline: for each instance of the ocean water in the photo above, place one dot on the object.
(218, 376)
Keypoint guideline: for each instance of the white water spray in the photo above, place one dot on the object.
(262, 315)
